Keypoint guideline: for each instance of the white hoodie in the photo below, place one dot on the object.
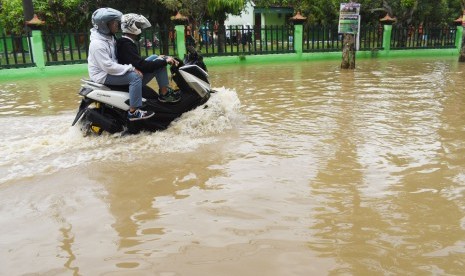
(102, 58)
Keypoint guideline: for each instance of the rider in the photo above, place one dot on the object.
(102, 63)
(153, 66)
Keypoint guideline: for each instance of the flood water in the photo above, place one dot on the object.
(293, 169)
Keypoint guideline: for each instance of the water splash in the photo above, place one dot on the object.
(43, 145)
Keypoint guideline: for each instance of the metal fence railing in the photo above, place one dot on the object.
(66, 47)
(243, 40)
(15, 51)
(318, 38)
(73, 47)
(159, 41)
(371, 37)
(423, 37)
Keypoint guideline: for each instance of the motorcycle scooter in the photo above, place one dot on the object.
(104, 108)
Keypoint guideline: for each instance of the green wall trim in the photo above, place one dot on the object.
(49, 71)
(81, 69)
(308, 57)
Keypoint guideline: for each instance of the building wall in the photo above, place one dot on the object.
(273, 19)
(246, 17)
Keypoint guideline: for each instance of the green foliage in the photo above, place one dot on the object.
(406, 11)
(60, 15)
(76, 14)
(195, 9)
(172, 4)
(219, 8)
(435, 12)
(11, 16)
(408, 4)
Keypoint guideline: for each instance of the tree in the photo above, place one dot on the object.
(59, 16)
(218, 10)
(437, 12)
(196, 10)
(11, 16)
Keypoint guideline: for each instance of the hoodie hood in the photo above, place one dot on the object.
(102, 59)
(96, 35)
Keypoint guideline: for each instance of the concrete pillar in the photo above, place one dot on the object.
(298, 38)
(387, 37)
(458, 37)
(180, 41)
(298, 21)
(38, 49)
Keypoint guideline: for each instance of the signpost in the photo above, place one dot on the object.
(349, 18)
(349, 26)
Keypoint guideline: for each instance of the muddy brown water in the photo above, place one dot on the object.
(293, 169)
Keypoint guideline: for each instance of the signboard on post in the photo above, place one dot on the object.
(349, 18)
(349, 26)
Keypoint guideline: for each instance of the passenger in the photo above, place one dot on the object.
(102, 63)
(153, 66)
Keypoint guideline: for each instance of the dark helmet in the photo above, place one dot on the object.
(102, 16)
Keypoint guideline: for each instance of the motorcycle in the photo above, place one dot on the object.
(105, 107)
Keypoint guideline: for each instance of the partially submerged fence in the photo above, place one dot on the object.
(413, 37)
(159, 41)
(243, 40)
(72, 47)
(66, 47)
(15, 51)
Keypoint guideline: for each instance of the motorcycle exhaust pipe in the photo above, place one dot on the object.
(103, 122)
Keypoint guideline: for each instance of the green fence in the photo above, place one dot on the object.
(15, 51)
(242, 40)
(319, 38)
(72, 47)
(413, 37)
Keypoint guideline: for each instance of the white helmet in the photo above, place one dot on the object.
(134, 23)
(102, 16)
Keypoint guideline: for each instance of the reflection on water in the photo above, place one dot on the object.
(38, 96)
(316, 171)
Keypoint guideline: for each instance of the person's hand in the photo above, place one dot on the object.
(171, 61)
(138, 72)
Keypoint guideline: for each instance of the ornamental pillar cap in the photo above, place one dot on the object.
(458, 21)
(388, 20)
(35, 21)
(298, 18)
(179, 18)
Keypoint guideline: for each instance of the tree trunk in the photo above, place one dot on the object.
(79, 40)
(221, 36)
(17, 44)
(348, 52)
(28, 10)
